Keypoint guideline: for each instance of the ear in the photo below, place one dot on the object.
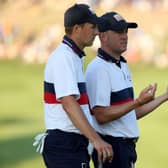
(103, 36)
(76, 29)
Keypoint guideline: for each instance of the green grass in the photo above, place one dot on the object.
(21, 113)
(152, 146)
(21, 116)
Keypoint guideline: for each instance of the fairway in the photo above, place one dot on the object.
(21, 115)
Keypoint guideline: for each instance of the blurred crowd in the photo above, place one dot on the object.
(140, 4)
(33, 48)
(36, 48)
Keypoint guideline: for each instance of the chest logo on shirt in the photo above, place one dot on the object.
(128, 77)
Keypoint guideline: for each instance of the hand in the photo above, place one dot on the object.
(104, 150)
(147, 94)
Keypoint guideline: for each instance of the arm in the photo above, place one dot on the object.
(152, 105)
(110, 113)
(76, 115)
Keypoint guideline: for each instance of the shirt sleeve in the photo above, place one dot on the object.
(65, 77)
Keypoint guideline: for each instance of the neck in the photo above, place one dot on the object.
(111, 52)
(76, 41)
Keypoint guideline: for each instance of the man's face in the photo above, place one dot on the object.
(87, 34)
(117, 41)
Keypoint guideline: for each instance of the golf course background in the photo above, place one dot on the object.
(21, 115)
(27, 24)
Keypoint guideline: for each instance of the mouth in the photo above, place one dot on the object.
(123, 43)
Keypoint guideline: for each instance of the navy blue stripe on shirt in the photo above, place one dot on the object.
(82, 87)
(122, 96)
(49, 87)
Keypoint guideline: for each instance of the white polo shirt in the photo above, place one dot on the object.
(107, 85)
(64, 76)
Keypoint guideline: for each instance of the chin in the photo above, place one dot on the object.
(89, 44)
(124, 49)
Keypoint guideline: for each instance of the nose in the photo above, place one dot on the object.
(124, 35)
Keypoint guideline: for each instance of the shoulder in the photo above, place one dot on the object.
(61, 53)
(97, 65)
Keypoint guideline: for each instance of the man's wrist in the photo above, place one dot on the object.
(138, 102)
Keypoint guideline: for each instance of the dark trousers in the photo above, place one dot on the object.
(65, 150)
(124, 153)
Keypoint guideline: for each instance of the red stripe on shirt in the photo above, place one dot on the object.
(83, 99)
(50, 98)
(122, 102)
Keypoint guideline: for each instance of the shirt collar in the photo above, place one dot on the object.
(66, 40)
(102, 54)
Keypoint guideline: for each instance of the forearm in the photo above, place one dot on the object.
(78, 118)
(149, 107)
(110, 113)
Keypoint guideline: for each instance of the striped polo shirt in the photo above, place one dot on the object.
(109, 83)
(64, 76)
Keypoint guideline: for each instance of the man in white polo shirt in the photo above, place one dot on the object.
(111, 96)
(65, 98)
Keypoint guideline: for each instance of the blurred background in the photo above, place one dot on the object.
(31, 29)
